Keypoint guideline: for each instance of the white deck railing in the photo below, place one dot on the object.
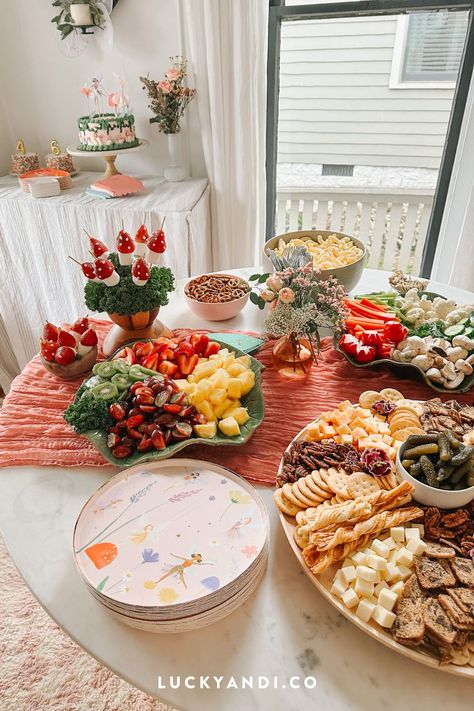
(391, 223)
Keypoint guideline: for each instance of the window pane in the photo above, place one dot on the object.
(358, 153)
(434, 46)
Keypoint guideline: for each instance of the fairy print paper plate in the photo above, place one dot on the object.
(171, 539)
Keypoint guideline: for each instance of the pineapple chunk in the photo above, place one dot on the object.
(248, 381)
(234, 388)
(229, 427)
(196, 397)
(220, 409)
(245, 360)
(217, 396)
(236, 369)
(185, 386)
(206, 431)
(228, 361)
(205, 408)
(220, 378)
(240, 414)
(205, 370)
(205, 386)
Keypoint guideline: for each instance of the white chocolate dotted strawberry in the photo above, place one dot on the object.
(105, 270)
(140, 272)
(125, 247)
(98, 248)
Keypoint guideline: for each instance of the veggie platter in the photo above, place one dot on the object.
(420, 330)
(197, 391)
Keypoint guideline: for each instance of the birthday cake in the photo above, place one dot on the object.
(23, 162)
(60, 161)
(107, 132)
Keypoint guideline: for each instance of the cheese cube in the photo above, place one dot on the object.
(383, 617)
(380, 548)
(343, 429)
(387, 599)
(381, 586)
(349, 598)
(398, 587)
(404, 572)
(392, 556)
(363, 588)
(397, 533)
(346, 439)
(393, 573)
(390, 543)
(412, 533)
(404, 557)
(359, 558)
(416, 546)
(365, 610)
(348, 574)
(338, 587)
(420, 527)
(365, 573)
(377, 562)
(344, 405)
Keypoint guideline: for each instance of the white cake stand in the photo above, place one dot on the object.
(109, 156)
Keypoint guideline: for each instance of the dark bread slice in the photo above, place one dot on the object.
(436, 550)
(464, 598)
(433, 574)
(438, 626)
(409, 627)
(463, 569)
(456, 614)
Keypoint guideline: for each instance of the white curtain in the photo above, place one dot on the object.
(454, 258)
(225, 42)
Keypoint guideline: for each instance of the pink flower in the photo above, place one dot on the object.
(249, 551)
(173, 74)
(267, 295)
(274, 283)
(286, 296)
(114, 100)
(87, 91)
(165, 86)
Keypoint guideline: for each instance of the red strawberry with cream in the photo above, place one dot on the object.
(48, 349)
(105, 271)
(156, 246)
(81, 325)
(140, 272)
(88, 270)
(125, 247)
(98, 248)
(65, 355)
(66, 339)
(141, 239)
(87, 341)
(50, 332)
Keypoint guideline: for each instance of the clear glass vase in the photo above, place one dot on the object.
(176, 170)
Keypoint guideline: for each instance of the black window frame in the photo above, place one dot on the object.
(279, 12)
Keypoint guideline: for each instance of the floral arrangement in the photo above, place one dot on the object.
(64, 20)
(301, 303)
(126, 298)
(95, 93)
(169, 97)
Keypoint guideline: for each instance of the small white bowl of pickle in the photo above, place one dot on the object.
(334, 253)
(440, 467)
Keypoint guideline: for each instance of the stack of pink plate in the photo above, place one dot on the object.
(174, 545)
(62, 176)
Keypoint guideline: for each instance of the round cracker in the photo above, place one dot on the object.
(316, 489)
(305, 494)
(337, 482)
(285, 506)
(412, 404)
(361, 484)
(391, 394)
(299, 540)
(292, 495)
(368, 397)
(402, 423)
(404, 433)
(320, 480)
(405, 409)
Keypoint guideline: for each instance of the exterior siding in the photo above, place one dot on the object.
(336, 105)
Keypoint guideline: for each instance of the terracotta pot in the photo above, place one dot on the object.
(143, 324)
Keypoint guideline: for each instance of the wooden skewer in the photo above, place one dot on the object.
(74, 260)
(86, 232)
(162, 224)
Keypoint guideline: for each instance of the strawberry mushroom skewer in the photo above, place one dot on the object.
(97, 248)
(125, 248)
(105, 270)
(156, 244)
(141, 239)
(88, 269)
(140, 272)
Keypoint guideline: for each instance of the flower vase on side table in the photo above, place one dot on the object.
(175, 172)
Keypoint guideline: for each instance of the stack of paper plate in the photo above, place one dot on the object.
(173, 545)
(43, 187)
(62, 176)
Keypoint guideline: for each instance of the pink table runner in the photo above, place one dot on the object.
(33, 432)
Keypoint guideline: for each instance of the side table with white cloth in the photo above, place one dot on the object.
(38, 281)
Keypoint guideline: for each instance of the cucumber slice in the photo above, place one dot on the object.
(121, 366)
(106, 369)
(105, 391)
(453, 330)
(469, 331)
(121, 380)
(463, 321)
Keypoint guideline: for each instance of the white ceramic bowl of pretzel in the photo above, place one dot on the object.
(216, 297)
(356, 530)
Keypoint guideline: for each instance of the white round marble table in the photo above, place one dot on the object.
(285, 630)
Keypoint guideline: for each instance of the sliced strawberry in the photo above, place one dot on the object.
(126, 354)
(81, 325)
(65, 355)
(211, 349)
(50, 332)
(88, 338)
(167, 368)
(187, 364)
(66, 339)
(186, 348)
(48, 349)
(199, 342)
(151, 361)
